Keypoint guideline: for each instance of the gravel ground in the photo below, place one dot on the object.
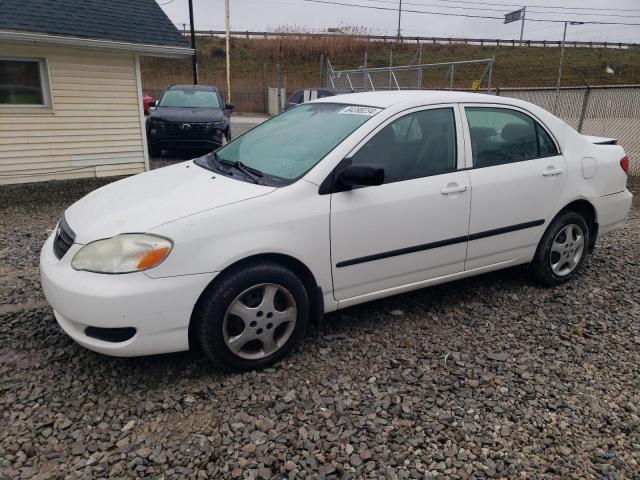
(485, 377)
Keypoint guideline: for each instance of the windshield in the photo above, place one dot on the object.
(190, 98)
(289, 145)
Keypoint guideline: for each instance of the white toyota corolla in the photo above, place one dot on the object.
(330, 204)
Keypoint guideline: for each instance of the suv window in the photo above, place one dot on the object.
(417, 145)
(500, 135)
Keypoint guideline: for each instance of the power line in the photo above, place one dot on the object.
(467, 15)
(539, 6)
(500, 9)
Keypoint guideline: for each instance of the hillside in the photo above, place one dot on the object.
(254, 61)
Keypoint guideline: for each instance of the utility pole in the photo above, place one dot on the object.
(564, 38)
(524, 13)
(194, 60)
(399, 18)
(228, 48)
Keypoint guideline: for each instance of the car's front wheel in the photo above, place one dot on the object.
(562, 249)
(251, 317)
(154, 150)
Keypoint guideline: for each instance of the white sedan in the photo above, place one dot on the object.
(330, 204)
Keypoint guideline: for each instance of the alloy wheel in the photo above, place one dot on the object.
(259, 321)
(567, 250)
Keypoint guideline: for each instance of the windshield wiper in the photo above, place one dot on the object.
(252, 173)
(219, 165)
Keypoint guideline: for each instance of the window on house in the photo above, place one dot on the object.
(21, 82)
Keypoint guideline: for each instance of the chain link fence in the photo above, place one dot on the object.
(603, 111)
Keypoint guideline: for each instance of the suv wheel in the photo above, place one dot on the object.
(154, 151)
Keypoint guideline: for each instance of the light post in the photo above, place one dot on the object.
(399, 19)
(194, 59)
(564, 37)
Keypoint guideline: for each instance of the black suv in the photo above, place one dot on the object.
(188, 116)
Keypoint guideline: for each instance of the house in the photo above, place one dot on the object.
(70, 86)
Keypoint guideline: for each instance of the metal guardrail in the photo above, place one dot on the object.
(419, 39)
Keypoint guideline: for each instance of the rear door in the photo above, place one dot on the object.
(517, 174)
(413, 227)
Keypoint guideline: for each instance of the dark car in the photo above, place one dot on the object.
(307, 94)
(188, 117)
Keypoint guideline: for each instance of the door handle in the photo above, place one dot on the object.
(550, 172)
(455, 188)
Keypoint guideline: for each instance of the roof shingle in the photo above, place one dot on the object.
(134, 21)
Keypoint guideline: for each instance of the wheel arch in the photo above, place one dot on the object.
(299, 268)
(588, 212)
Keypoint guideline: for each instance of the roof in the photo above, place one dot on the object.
(387, 98)
(128, 21)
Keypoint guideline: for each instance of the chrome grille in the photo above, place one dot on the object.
(194, 130)
(63, 239)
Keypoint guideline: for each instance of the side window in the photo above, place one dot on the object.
(417, 145)
(296, 97)
(500, 135)
(546, 145)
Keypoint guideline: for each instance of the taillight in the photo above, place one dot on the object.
(624, 163)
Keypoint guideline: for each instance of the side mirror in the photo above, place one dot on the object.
(361, 175)
(153, 104)
(229, 106)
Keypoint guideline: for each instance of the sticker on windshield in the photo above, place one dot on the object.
(357, 110)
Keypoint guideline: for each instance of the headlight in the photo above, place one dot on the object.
(219, 124)
(126, 253)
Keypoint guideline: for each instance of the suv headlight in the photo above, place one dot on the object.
(125, 253)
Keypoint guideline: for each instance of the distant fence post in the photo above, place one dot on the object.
(265, 92)
(322, 69)
(279, 85)
(585, 104)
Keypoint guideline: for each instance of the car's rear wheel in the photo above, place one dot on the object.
(252, 317)
(562, 249)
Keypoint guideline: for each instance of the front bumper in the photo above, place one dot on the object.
(611, 210)
(158, 308)
(186, 143)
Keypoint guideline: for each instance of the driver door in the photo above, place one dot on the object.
(414, 226)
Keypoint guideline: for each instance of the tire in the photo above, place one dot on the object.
(555, 261)
(154, 151)
(256, 330)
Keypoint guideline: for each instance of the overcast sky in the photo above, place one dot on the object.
(303, 16)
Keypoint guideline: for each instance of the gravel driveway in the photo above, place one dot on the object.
(485, 377)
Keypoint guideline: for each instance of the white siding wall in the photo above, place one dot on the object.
(94, 127)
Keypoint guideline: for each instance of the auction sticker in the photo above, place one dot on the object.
(357, 110)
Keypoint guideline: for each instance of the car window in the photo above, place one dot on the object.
(324, 93)
(296, 97)
(190, 98)
(500, 135)
(417, 145)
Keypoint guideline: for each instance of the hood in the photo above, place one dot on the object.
(186, 115)
(144, 201)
